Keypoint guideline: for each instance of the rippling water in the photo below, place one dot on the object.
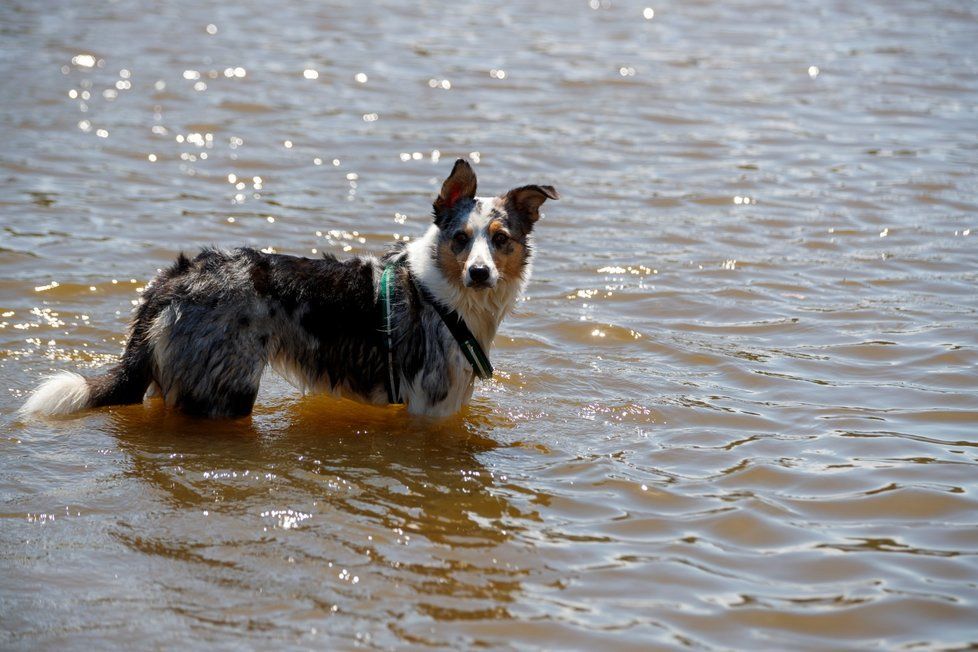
(737, 409)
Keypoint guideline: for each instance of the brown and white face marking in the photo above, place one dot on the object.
(484, 240)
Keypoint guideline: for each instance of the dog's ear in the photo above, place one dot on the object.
(526, 200)
(460, 184)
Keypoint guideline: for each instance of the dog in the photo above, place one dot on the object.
(412, 328)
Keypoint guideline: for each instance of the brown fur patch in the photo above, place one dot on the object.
(510, 258)
(496, 226)
(451, 264)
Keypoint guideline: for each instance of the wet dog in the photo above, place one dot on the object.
(413, 327)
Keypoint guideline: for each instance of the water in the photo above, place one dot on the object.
(737, 410)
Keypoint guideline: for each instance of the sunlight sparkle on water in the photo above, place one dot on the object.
(83, 60)
(639, 270)
(286, 518)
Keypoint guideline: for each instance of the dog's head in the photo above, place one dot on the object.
(484, 240)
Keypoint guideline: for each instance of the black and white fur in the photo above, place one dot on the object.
(207, 327)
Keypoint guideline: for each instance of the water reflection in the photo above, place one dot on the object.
(325, 501)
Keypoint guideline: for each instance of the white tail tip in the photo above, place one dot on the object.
(60, 394)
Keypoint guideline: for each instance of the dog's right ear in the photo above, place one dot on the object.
(460, 184)
(526, 200)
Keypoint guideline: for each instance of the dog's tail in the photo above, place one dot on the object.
(68, 392)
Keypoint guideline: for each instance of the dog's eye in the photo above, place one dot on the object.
(500, 239)
(461, 238)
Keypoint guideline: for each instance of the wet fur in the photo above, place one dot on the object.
(207, 327)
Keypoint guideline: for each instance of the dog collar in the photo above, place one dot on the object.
(392, 382)
(469, 346)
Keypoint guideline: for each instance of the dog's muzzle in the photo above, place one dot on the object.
(479, 277)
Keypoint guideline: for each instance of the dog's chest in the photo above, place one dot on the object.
(443, 385)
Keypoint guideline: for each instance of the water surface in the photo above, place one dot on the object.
(737, 408)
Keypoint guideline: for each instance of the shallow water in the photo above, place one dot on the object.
(737, 409)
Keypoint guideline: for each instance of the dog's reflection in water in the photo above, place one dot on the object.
(429, 473)
(265, 521)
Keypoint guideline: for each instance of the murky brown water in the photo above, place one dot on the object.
(737, 410)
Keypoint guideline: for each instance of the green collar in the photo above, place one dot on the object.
(469, 346)
(393, 381)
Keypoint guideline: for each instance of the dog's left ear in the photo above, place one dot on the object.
(526, 200)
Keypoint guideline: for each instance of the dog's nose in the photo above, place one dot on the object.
(479, 273)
